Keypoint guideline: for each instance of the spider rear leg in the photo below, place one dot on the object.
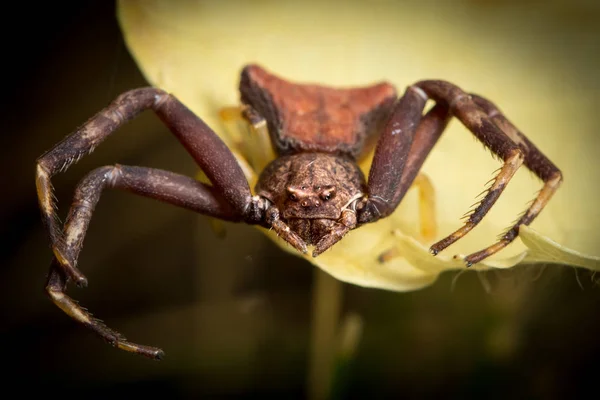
(257, 147)
(492, 128)
(427, 217)
(211, 154)
(161, 185)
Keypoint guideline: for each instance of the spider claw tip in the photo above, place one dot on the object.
(81, 282)
(159, 355)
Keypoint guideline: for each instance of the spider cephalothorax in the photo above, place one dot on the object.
(313, 193)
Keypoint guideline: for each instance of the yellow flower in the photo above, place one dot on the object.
(196, 51)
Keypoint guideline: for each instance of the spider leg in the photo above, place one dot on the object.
(394, 168)
(258, 147)
(488, 124)
(55, 287)
(211, 154)
(510, 166)
(536, 161)
(345, 224)
(385, 190)
(161, 185)
(400, 153)
(427, 217)
(272, 218)
(426, 135)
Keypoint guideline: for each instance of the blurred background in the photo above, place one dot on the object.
(234, 314)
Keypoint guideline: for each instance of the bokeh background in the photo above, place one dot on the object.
(234, 314)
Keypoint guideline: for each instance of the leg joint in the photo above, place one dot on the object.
(556, 178)
(516, 156)
(419, 91)
(160, 98)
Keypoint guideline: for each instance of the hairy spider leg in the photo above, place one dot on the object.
(394, 169)
(211, 154)
(536, 161)
(56, 286)
(161, 185)
(488, 125)
(229, 198)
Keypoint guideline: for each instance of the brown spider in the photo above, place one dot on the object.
(313, 193)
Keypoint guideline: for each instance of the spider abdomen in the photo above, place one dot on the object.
(308, 117)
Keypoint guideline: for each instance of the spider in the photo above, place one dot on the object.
(313, 193)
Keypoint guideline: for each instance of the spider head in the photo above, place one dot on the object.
(309, 200)
(311, 190)
(317, 187)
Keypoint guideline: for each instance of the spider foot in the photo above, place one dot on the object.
(73, 272)
(485, 253)
(153, 353)
(458, 257)
(448, 240)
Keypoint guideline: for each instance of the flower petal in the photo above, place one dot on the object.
(197, 49)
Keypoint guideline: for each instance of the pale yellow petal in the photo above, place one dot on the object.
(197, 49)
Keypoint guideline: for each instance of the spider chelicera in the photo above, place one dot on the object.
(313, 193)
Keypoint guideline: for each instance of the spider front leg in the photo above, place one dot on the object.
(154, 183)
(56, 286)
(229, 198)
(403, 146)
(211, 154)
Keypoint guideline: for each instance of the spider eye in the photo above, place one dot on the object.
(293, 197)
(327, 195)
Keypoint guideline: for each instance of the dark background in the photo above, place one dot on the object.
(232, 314)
